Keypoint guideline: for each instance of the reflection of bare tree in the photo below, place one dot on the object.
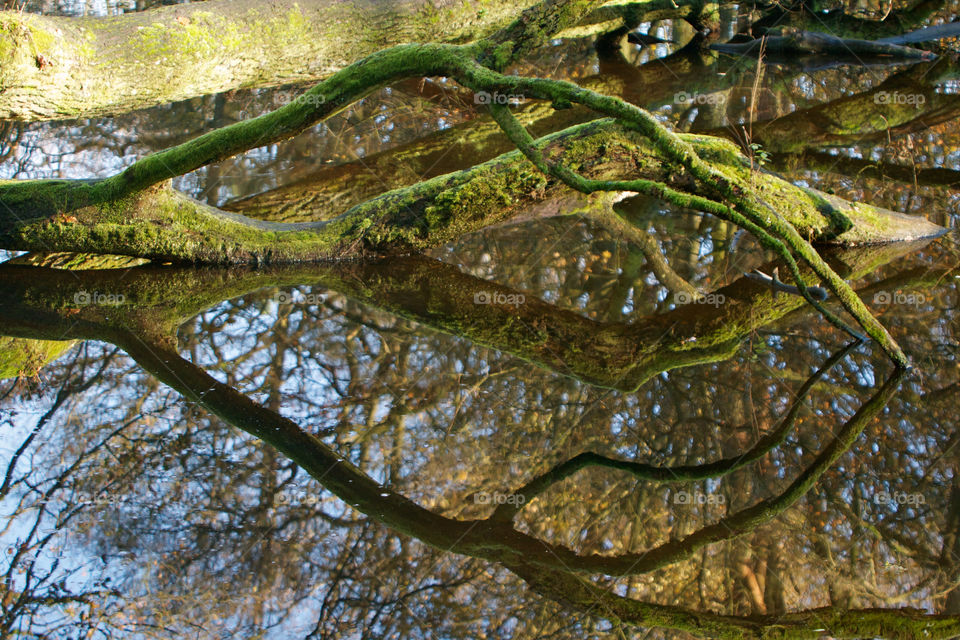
(256, 520)
(42, 587)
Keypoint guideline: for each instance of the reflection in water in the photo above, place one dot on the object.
(347, 375)
(529, 434)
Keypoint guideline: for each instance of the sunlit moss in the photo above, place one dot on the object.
(23, 358)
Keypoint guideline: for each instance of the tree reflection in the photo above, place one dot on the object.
(399, 429)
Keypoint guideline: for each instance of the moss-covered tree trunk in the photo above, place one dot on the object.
(133, 214)
(53, 68)
(165, 225)
(65, 67)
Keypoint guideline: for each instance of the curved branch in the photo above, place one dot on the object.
(726, 186)
(525, 143)
(35, 199)
(748, 519)
(682, 473)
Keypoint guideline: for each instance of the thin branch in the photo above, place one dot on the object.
(669, 475)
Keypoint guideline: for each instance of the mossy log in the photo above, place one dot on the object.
(65, 67)
(165, 225)
(132, 209)
(479, 139)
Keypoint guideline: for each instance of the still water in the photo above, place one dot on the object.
(317, 451)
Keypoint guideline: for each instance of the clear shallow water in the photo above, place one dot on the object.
(172, 521)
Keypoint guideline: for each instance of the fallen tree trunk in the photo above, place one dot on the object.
(438, 210)
(64, 67)
(479, 139)
(794, 42)
(166, 225)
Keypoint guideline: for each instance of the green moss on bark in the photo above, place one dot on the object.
(23, 358)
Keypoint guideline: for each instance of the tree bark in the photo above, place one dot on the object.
(165, 225)
(438, 210)
(64, 67)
